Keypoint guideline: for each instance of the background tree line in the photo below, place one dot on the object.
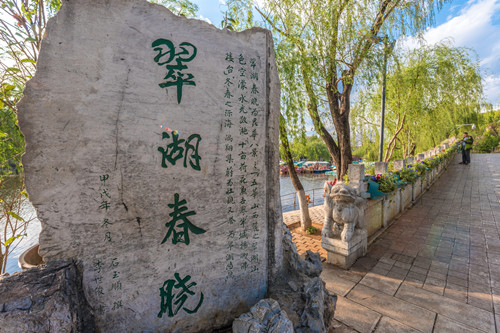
(310, 148)
(431, 90)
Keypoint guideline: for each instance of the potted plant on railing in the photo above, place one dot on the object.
(380, 185)
(407, 175)
(421, 168)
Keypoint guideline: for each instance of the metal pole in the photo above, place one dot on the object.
(384, 70)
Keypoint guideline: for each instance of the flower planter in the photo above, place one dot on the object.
(391, 205)
(417, 187)
(373, 190)
(373, 216)
(406, 197)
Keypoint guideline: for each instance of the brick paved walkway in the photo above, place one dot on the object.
(437, 269)
(302, 241)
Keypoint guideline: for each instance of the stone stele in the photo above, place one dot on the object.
(152, 160)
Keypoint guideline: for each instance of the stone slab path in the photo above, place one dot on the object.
(437, 268)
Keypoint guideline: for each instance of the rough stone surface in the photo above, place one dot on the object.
(300, 291)
(264, 317)
(381, 168)
(399, 165)
(152, 158)
(47, 298)
(356, 178)
(356, 173)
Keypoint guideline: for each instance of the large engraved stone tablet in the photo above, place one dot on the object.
(152, 160)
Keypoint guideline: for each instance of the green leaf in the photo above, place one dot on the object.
(2, 134)
(8, 87)
(29, 60)
(13, 238)
(25, 194)
(14, 215)
(13, 69)
(30, 39)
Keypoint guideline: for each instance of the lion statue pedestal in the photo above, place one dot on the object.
(344, 236)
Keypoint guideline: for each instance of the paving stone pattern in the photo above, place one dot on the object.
(316, 213)
(303, 242)
(437, 269)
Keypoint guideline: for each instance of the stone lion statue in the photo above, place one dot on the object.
(344, 211)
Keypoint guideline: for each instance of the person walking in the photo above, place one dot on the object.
(466, 143)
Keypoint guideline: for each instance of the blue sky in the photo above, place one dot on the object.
(474, 24)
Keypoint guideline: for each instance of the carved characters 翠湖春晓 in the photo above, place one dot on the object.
(175, 60)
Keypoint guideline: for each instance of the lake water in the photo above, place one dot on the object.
(313, 185)
(27, 241)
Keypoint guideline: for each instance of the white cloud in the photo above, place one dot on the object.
(492, 88)
(473, 27)
(206, 19)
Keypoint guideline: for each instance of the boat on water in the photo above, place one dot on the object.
(304, 167)
(331, 173)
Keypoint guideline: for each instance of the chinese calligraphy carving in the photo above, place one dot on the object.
(180, 213)
(175, 151)
(172, 301)
(175, 60)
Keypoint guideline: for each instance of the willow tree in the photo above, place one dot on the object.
(430, 89)
(292, 119)
(331, 42)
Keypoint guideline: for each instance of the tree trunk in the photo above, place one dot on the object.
(392, 142)
(305, 219)
(341, 123)
(312, 107)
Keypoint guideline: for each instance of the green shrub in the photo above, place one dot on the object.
(311, 230)
(487, 143)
